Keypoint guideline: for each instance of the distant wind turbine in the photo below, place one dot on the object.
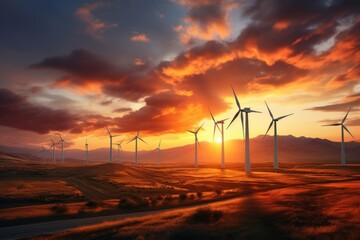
(62, 148)
(53, 148)
(158, 152)
(111, 137)
(196, 144)
(43, 152)
(216, 125)
(118, 149)
(274, 121)
(136, 145)
(247, 140)
(86, 152)
(343, 162)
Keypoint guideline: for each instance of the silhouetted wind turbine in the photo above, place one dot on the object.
(216, 125)
(53, 148)
(196, 143)
(62, 148)
(158, 152)
(118, 149)
(86, 152)
(111, 137)
(43, 152)
(343, 162)
(136, 145)
(247, 140)
(274, 121)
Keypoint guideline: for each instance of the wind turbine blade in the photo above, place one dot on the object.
(348, 131)
(235, 116)
(236, 99)
(334, 124)
(138, 132)
(159, 143)
(279, 118)
(223, 120)
(132, 140)
(345, 116)
(253, 111)
(271, 115)
(116, 136)
(108, 131)
(212, 116)
(191, 131)
(269, 128)
(242, 122)
(142, 140)
(200, 127)
(214, 130)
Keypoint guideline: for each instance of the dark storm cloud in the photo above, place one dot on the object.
(83, 64)
(17, 112)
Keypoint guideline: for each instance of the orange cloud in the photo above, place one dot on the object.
(140, 38)
(95, 26)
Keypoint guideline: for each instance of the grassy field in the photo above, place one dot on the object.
(300, 201)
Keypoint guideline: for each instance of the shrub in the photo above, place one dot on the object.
(92, 204)
(205, 215)
(133, 202)
(199, 194)
(182, 196)
(191, 196)
(218, 191)
(59, 208)
(168, 198)
(159, 197)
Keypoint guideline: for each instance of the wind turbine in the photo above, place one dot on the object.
(196, 144)
(136, 145)
(86, 152)
(53, 148)
(274, 121)
(111, 137)
(158, 152)
(343, 162)
(62, 148)
(216, 125)
(247, 140)
(43, 152)
(118, 150)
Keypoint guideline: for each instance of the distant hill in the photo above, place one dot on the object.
(291, 149)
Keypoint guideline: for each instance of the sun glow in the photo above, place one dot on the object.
(218, 139)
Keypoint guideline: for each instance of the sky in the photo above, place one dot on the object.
(77, 67)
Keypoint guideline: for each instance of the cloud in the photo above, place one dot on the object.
(140, 38)
(352, 101)
(122, 110)
(95, 26)
(206, 19)
(17, 112)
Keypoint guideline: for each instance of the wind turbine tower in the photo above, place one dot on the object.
(196, 144)
(86, 152)
(136, 138)
(343, 161)
(43, 152)
(118, 149)
(158, 153)
(247, 139)
(274, 121)
(62, 148)
(111, 137)
(53, 148)
(216, 125)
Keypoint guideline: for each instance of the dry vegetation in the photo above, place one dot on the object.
(298, 202)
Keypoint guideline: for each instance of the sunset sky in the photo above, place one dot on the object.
(76, 67)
